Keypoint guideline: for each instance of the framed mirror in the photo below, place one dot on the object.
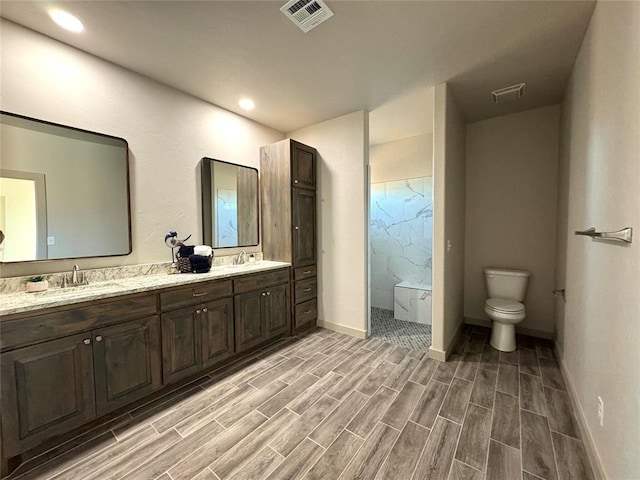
(64, 192)
(229, 204)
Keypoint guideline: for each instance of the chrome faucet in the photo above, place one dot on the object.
(240, 258)
(74, 275)
(77, 278)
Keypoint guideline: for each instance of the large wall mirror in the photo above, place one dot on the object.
(229, 204)
(64, 192)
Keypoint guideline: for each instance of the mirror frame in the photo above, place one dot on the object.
(128, 174)
(207, 227)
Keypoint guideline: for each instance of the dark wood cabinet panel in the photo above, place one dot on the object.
(180, 343)
(127, 362)
(302, 273)
(303, 165)
(277, 310)
(217, 331)
(195, 294)
(304, 227)
(47, 389)
(249, 320)
(305, 290)
(306, 314)
(257, 281)
(30, 328)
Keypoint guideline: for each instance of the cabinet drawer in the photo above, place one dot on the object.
(257, 281)
(305, 290)
(306, 312)
(194, 294)
(63, 322)
(301, 273)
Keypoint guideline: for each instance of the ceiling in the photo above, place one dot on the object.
(364, 57)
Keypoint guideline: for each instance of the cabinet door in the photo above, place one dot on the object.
(47, 390)
(277, 310)
(127, 362)
(249, 321)
(180, 343)
(303, 165)
(217, 331)
(304, 227)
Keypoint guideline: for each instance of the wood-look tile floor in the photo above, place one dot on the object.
(328, 406)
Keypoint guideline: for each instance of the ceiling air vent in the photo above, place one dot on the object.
(306, 14)
(508, 94)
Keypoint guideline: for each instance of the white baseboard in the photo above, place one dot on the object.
(585, 433)
(441, 355)
(523, 330)
(336, 327)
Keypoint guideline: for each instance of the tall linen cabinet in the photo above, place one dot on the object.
(288, 198)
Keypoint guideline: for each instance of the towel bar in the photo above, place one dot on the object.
(623, 235)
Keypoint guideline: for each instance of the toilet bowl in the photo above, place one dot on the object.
(506, 288)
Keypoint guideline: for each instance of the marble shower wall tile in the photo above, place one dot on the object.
(401, 233)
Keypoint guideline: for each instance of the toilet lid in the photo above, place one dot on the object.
(504, 305)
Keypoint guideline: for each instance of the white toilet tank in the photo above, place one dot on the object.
(506, 282)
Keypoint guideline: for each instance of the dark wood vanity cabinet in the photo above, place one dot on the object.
(47, 389)
(126, 361)
(263, 313)
(199, 335)
(66, 366)
(58, 384)
(288, 193)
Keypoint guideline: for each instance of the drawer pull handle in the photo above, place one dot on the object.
(307, 289)
(306, 272)
(306, 312)
(201, 294)
(87, 341)
(99, 338)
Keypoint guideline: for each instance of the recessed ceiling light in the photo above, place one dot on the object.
(247, 104)
(66, 20)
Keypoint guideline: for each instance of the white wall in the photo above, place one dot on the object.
(168, 133)
(342, 145)
(599, 326)
(449, 159)
(406, 158)
(512, 181)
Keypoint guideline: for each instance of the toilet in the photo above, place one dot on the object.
(506, 288)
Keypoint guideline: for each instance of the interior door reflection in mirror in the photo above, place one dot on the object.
(64, 192)
(229, 204)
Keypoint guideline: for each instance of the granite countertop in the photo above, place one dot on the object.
(20, 302)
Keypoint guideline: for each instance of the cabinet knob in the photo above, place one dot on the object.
(87, 341)
(296, 228)
(264, 294)
(204, 309)
(268, 293)
(98, 338)
(198, 311)
(295, 181)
